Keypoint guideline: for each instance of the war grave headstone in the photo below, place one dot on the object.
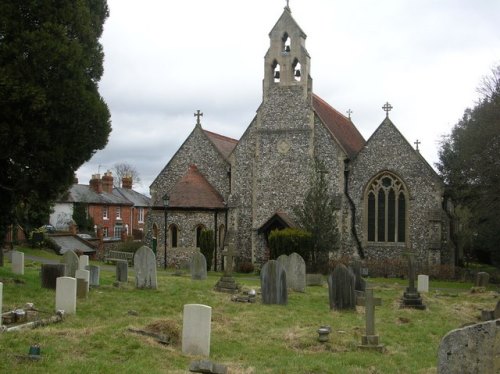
(273, 283)
(94, 278)
(49, 274)
(198, 266)
(122, 271)
(471, 349)
(72, 263)
(482, 279)
(359, 282)
(196, 329)
(17, 262)
(83, 261)
(295, 268)
(82, 283)
(423, 283)
(411, 297)
(370, 340)
(66, 295)
(226, 283)
(145, 268)
(341, 283)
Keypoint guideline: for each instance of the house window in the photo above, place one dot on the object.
(386, 205)
(105, 232)
(141, 215)
(105, 212)
(118, 231)
(118, 212)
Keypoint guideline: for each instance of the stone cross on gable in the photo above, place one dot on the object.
(417, 143)
(349, 112)
(387, 108)
(198, 114)
(369, 302)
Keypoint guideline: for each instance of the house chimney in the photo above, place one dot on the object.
(96, 183)
(127, 182)
(107, 182)
(75, 179)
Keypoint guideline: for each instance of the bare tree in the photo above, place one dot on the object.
(490, 84)
(124, 169)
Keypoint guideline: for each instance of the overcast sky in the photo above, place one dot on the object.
(165, 59)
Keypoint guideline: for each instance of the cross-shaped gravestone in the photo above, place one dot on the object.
(411, 297)
(198, 114)
(229, 254)
(411, 272)
(417, 143)
(370, 340)
(387, 108)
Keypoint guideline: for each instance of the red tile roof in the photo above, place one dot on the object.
(224, 144)
(340, 126)
(194, 191)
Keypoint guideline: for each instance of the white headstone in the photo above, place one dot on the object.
(196, 328)
(423, 283)
(66, 294)
(1, 295)
(85, 275)
(83, 261)
(145, 268)
(18, 262)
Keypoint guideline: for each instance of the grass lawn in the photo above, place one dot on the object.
(248, 338)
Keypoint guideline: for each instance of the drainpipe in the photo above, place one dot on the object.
(353, 209)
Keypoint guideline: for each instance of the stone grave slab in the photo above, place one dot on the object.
(482, 279)
(72, 263)
(66, 295)
(423, 283)
(273, 283)
(122, 271)
(83, 261)
(17, 262)
(94, 278)
(49, 274)
(341, 292)
(145, 268)
(196, 329)
(198, 266)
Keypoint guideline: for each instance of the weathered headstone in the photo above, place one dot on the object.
(472, 349)
(227, 283)
(370, 340)
(49, 274)
(122, 271)
(359, 283)
(94, 279)
(85, 275)
(423, 283)
(66, 295)
(145, 268)
(488, 315)
(198, 266)
(207, 367)
(315, 279)
(295, 268)
(71, 260)
(411, 297)
(341, 284)
(81, 288)
(1, 298)
(196, 329)
(273, 283)
(83, 261)
(17, 262)
(482, 279)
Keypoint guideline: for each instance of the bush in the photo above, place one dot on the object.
(246, 267)
(207, 246)
(290, 240)
(129, 246)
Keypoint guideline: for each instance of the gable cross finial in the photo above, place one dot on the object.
(416, 144)
(198, 114)
(287, 4)
(387, 108)
(349, 112)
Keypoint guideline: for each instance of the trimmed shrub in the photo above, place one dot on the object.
(207, 246)
(290, 240)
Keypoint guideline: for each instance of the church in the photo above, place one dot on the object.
(390, 200)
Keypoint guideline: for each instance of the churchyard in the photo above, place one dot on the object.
(137, 326)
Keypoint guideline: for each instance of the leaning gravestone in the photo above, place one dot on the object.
(122, 271)
(196, 329)
(273, 283)
(482, 279)
(472, 349)
(198, 266)
(17, 262)
(66, 295)
(341, 283)
(423, 283)
(295, 268)
(72, 263)
(145, 268)
(49, 274)
(94, 278)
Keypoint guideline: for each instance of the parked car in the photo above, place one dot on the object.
(49, 228)
(85, 236)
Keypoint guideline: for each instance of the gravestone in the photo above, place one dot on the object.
(423, 283)
(198, 266)
(1, 298)
(207, 367)
(72, 263)
(471, 349)
(49, 274)
(488, 315)
(145, 268)
(341, 284)
(314, 280)
(359, 282)
(81, 288)
(196, 329)
(411, 297)
(227, 283)
(273, 283)
(83, 262)
(94, 278)
(66, 295)
(482, 279)
(17, 262)
(370, 340)
(85, 275)
(122, 271)
(295, 268)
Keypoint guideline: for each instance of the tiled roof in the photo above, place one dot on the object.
(224, 144)
(138, 199)
(194, 191)
(81, 193)
(340, 126)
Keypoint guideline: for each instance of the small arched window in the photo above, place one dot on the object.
(296, 70)
(199, 229)
(174, 233)
(286, 43)
(386, 204)
(276, 71)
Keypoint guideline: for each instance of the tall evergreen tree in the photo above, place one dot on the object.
(52, 117)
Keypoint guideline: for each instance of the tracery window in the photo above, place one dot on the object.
(386, 207)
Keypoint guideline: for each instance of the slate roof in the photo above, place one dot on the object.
(81, 193)
(194, 191)
(136, 198)
(340, 126)
(224, 144)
